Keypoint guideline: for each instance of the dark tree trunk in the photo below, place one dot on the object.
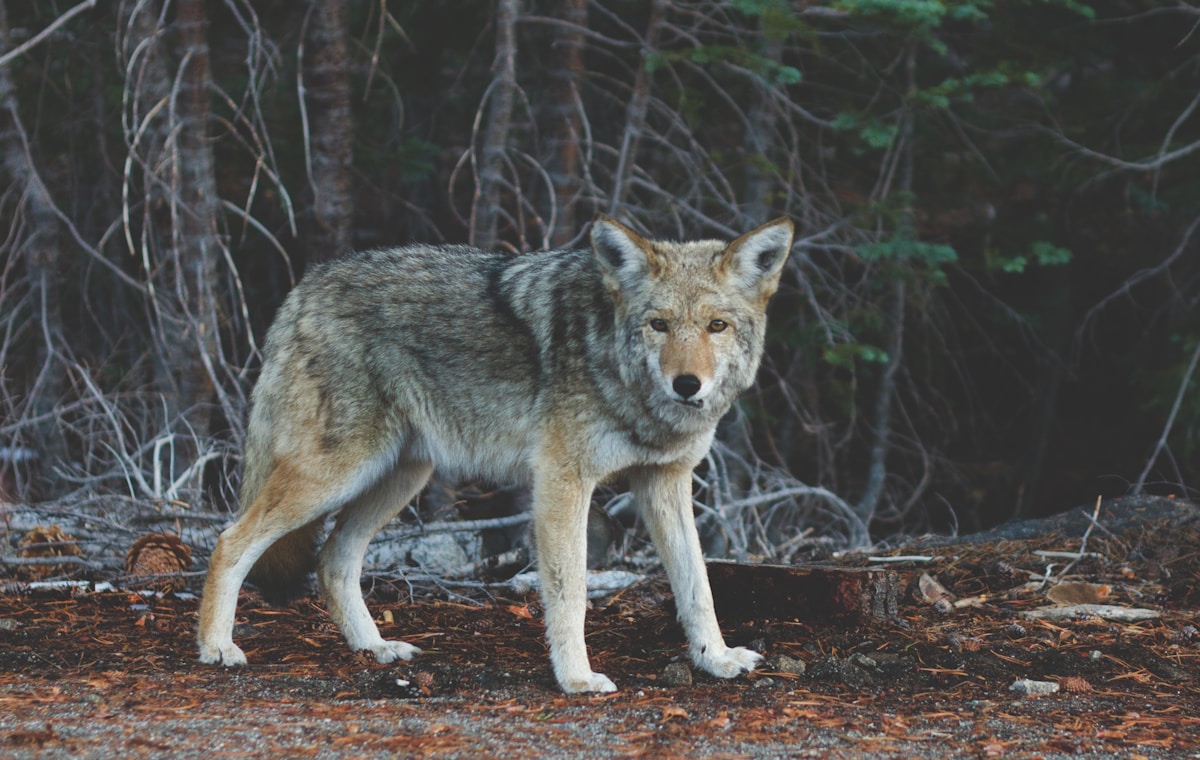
(877, 468)
(327, 95)
(42, 246)
(564, 164)
(188, 290)
(758, 141)
(486, 211)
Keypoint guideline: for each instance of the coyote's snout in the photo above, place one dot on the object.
(559, 370)
(687, 356)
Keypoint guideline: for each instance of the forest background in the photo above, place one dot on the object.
(990, 312)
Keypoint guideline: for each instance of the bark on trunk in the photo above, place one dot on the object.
(882, 417)
(326, 67)
(486, 211)
(813, 594)
(187, 305)
(568, 122)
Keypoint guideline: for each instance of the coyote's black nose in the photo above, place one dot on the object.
(686, 385)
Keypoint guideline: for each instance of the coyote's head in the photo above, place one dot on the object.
(691, 316)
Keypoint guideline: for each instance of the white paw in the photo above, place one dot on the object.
(228, 654)
(727, 662)
(592, 682)
(390, 651)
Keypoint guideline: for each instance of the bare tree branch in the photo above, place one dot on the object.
(35, 40)
(635, 114)
(1184, 385)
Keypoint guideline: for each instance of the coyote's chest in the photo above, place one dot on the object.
(506, 449)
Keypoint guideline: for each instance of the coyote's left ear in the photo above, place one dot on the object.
(755, 260)
(625, 257)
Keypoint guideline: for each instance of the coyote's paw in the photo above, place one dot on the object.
(390, 651)
(228, 654)
(592, 682)
(729, 662)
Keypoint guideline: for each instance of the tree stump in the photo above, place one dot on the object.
(809, 593)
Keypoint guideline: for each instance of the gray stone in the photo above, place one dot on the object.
(1030, 688)
(676, 674)
(781, 663)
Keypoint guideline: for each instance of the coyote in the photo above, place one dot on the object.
(560, 370)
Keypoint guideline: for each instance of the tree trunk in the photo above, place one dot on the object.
(188, 290)
(635, 114)
(877, 462)
(485, 213)
(326, 66)
(568, 122)
(43, 264)
(877, 467)
(812, 594)
(758, 141)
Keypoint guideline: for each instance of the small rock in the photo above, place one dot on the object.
(764, 682)
(244, 630)
(781, 663)
(9, 624)
(1185, 635)
(677, 674)
(833, 670)
(1029, 688)
(860, 660)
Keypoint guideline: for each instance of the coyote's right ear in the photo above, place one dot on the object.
(756, 259)
(625, 257)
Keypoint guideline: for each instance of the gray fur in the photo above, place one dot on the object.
(547, 369)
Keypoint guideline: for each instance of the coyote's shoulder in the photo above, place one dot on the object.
(559, 369)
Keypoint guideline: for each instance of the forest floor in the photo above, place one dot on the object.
(88, 673)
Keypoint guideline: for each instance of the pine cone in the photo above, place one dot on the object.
(1003, 576)
(159, 554)
(47, 541)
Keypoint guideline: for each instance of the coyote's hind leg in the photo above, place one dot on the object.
(339, 565)
(289, 499)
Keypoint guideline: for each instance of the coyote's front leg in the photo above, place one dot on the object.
(560, 505)
(664, 496)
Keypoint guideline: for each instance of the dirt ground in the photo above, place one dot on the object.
(106, 674)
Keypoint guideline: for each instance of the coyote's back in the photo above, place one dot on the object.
(558, 370)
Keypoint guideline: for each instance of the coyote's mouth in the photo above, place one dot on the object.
(695, 403)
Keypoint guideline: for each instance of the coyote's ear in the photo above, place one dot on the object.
(755, 260)
(625, 257)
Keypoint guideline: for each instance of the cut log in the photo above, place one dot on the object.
(809, 593)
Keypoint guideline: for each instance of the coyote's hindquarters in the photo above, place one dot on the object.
(559, 370)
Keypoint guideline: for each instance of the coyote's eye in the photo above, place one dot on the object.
(717, 325)
(658, 325)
